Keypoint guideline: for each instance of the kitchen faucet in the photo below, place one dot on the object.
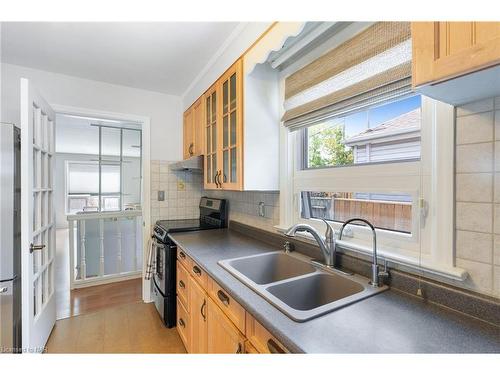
(327, 246)
(375, 269)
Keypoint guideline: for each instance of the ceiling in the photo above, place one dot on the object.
(161, 56)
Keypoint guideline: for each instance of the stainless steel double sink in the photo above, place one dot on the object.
(301, 290)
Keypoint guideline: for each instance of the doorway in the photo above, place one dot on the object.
(102, 209)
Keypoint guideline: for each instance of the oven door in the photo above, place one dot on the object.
(159, 275)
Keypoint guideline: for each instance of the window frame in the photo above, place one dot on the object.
(430, 181)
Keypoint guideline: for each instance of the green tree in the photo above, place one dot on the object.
(326, 147)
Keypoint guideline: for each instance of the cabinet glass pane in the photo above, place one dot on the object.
(208, 139)
(233, 128)
(225, 161)
(208, 113)
(225, 130)
(214, 107)
(214, 137)
(214, 165)
(209, 169)
(233, 90)
(225, 97)
(233, 165)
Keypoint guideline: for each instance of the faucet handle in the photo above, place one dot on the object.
(330, 232)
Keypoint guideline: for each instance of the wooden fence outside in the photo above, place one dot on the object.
(382, 214)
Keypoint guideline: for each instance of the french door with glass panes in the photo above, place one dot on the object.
(37, 218)
(224, 131)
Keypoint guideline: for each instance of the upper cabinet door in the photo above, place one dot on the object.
(231, 136)
(198, 127)
(210, 169)
(444, 50)
(188, 134)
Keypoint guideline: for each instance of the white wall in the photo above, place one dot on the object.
(237, 43)
(164, 110)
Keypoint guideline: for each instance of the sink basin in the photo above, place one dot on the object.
(315, 291)
(270, 267)
(299, 289)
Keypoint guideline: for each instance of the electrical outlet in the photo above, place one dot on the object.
(161, 195)
(181, 186)
(262, 209)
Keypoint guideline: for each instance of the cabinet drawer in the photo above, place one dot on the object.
(183, 325)
(234, 311)
(198, 274)
(183, 285)
(183, 258)
(261, 338)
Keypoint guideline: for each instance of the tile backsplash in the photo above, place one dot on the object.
(183, 190)
(478, 194)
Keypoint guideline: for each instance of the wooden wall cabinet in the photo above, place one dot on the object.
(445, 50)
(193, 130)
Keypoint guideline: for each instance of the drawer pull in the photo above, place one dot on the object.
(182, 255)
(223, 297)
(197, 270)
(181, 284)
(240, 348)
(181, 323)
(274, 348)
(202, 310)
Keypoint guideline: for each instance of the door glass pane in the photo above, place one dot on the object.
(131, 169)
(128, 243)
(36, 167)
(225, 130)
(50, 280)
(214, 107)
(225, 161)
(111, 246)
(49, 172)
(233, 91)
(225, 97)
(36, 254)
(233, 128)
(209, 168)
(35, 297)
(233, 165)
(44, 286)
(92, 247)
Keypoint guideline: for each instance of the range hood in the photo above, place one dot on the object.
(193, 164)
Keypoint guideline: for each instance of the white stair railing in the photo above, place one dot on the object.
(104, 247)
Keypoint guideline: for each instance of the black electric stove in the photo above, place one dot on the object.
(213, 215)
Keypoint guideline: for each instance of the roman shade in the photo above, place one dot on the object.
(372, 67)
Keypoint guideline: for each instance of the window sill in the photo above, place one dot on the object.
(402, 262)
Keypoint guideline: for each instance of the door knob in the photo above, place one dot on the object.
(36, 247)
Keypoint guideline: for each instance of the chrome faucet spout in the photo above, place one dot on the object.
(326, 246)
(375, 269)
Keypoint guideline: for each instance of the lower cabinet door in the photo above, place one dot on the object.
(223, 336)
(198, 301)
(183, 325)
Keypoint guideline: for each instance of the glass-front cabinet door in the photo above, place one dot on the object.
(211, 132)
(230, 170)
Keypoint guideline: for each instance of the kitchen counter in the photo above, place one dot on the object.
(390, 322)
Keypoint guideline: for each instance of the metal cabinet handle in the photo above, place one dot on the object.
(182, 255)
(202, 310)
(182, 324)
(274, 348)
(191, 149)
(36, 247)
(3, 290)
(181, 284)
(223, 297)
(197, 270)
(216, 180)
(240, 348)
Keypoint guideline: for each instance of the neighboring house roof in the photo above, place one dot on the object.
(404, 126)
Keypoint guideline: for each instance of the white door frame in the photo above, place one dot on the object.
(146, 162)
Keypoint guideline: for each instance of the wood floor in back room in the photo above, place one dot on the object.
(128, 328)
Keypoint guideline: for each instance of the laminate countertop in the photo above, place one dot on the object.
(389, 322)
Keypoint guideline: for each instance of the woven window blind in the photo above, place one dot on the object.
(372, 67)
